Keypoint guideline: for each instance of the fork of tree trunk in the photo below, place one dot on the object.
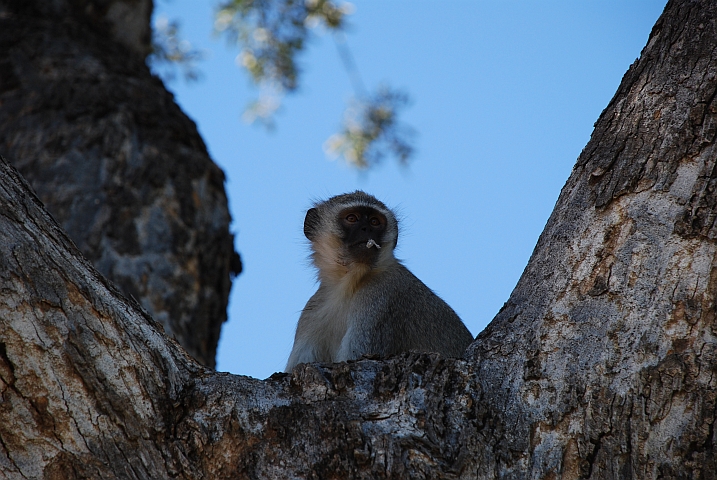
(602, 364)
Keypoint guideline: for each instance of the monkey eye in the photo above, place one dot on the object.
(352, 218)
(375, 222)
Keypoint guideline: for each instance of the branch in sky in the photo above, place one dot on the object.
(270, 33)
(170, 51)
(371, 129)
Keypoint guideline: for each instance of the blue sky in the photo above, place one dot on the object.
(504, 98)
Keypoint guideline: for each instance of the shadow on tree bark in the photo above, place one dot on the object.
(116, 162)
(602, 364)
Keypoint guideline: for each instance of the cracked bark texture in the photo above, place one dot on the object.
(602, 364)
(115, 160)
(605, 356)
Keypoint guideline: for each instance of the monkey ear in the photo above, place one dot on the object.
(311, 223)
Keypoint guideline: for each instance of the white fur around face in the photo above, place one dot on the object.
(323, 332)
(336, 270)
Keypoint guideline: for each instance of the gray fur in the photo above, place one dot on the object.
(397, 312)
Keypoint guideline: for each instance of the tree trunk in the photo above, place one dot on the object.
(603, 361)
(114, 159)
(602, 364)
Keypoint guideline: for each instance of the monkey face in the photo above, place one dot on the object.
(363, 231)
(353, 232)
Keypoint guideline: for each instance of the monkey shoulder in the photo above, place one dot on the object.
(402, 313)
(406, 294)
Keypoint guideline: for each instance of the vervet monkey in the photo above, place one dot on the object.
(367, 301)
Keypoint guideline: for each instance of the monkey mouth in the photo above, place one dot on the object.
(360, 252)
(365, 244)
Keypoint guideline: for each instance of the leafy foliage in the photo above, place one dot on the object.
(371, 128)
(272, 32)
(270, 35)
(170, 51)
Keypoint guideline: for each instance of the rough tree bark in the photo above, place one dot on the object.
(114, 159)
(602, 364)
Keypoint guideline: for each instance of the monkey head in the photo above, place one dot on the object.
(351, 230)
